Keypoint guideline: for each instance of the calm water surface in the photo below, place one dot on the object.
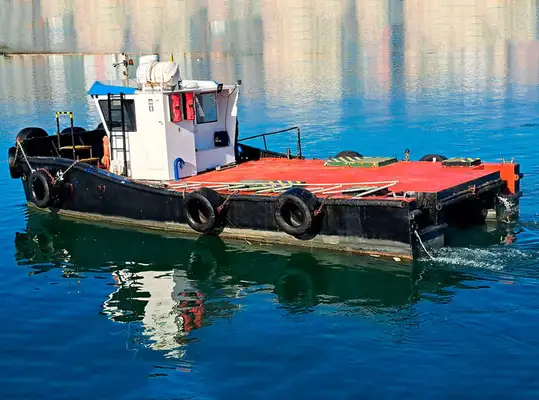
(94, 312)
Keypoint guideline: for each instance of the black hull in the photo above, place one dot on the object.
(381, 228)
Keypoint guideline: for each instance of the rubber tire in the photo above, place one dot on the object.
(430, 157)
(14, 169)
(208, 200)
(348, 153)
(40, 177)
(305, 202)
(75, 130)
(31, 133)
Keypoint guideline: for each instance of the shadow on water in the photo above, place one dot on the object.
(187, 283)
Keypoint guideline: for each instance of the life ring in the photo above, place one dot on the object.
(431, 157)
(30, 133)
(348, 153)
(294, 211)
(14, 169)
(202, 210)
(41, 185)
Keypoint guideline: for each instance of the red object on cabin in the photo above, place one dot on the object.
(175, 108)
(189, 106)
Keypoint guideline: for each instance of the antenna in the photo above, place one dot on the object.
(126, 63)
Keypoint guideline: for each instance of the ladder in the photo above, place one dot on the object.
(117, 145)
(76, 149)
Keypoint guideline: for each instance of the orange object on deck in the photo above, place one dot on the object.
(105, 160)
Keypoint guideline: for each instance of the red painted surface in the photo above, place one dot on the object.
(412, 176)
(175, 108)
(189, 106)
(509, 173)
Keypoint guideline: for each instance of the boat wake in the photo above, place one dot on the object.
(496, 258)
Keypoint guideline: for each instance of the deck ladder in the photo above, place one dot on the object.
(117, 141)
(75, 148)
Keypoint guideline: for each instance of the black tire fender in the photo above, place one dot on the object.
(348, 153)
(14, 169)
(431, 157)
(31, 133)
(202, 210)
(75, 130)
(294, 211)
(41, 186)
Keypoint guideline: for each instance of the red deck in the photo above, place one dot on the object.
(411, 176)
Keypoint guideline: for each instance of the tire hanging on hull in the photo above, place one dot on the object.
(14, 169)
(295, 211)
(42, 188)
(202, 210)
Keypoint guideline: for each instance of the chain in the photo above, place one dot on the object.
(319, 210)
(220, 208)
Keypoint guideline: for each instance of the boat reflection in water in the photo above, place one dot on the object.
(173, 286)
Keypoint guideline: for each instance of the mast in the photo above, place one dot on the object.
(125, 63)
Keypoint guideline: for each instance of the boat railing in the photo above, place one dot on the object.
(264, 135)
(354, 189)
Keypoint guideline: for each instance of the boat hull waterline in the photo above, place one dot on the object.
(376, 226)
(167, 155)
(94, 194)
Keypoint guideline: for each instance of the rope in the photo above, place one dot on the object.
(422, 245)
(61, 174)
(25, 158)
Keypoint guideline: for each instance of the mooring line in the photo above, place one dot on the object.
(25, 158)
(62, 173)
(422, 245)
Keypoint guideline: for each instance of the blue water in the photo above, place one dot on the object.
(98, 312)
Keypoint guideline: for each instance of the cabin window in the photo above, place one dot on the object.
(206, 108)
(116, 114)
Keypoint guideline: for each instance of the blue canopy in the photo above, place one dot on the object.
(99, 88)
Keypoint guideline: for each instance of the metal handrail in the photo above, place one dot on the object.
(261, 187)
(263, 135)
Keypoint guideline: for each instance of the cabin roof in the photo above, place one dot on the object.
(119, 86)
(99, 88)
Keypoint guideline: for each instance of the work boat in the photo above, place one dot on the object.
(167, 155)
